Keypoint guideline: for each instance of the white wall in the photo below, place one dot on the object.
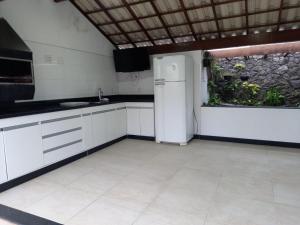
(137, 83)
(252, 123)
(71, 57)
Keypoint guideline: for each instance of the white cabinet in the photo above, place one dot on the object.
(99, 128)
(140, 119)
(23, 149)
(121, 122)
(62, 137)
(87, 131)
(108, 123)
(133, 121)
(147, 122)
(3, 175)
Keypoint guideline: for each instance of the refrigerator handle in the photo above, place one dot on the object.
(162, 79)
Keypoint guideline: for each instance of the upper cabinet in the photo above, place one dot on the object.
(3, 175)
(23, 148)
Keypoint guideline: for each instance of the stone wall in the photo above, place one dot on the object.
(276, 70)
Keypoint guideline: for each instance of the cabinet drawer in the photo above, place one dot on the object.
(61, 139)
(60, 124)
(62, 152)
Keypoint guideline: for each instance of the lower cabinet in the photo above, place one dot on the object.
(3, 175)
(108, 125)
(147, 122)
(140, 121)
(99, 128)
(35, 142)
(23, 149)
(133, 121)
(62, 138)
(87, 131)
(121, 122)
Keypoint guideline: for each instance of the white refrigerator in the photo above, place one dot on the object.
(173, 91)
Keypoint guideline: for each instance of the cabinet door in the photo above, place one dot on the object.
(99, 128)
(121, 122)
(133, 121)
(87, 132)
(112, 125)
(3, 175)
(23, 148)
(147, 122)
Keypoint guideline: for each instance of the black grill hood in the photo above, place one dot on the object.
(11, 45)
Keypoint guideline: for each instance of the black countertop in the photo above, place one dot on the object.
(8, 110)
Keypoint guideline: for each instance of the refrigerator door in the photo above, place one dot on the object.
(173, 68)
(157, 65)
(170, 112)
(159, 111)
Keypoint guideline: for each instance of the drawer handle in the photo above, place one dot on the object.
(61, 119)
(20, 126)
(62, 146)
(104, 111)
(61, 132)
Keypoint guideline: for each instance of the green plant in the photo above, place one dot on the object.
(274, 97)
(239, 67)
(247, 94)
(216, 71)
(214, 100)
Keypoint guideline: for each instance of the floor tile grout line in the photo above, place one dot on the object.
(98, 198)
(156, 197)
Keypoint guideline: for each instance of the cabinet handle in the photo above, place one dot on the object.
(61, 119)
(141, 107)
(103, 111)
(62, 146)
(61, 132)
(20, 126)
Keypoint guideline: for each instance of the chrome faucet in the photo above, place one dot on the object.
(100, 94)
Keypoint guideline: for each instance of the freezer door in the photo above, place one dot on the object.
(157, 62)
(169, 68)
(173, 68)
(170, 112)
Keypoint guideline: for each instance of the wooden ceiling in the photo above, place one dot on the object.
(146, 23)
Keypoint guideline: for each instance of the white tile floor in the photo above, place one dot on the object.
(143, 183)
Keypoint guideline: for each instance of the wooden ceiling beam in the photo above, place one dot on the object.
(252, 39)
(132, 13)
(212, 19)
(118, 6)
(213, 32)
(280, 14)
(168, 12)
(215, 17)
(220, 18)
(164, 25)
(247, 16)
(100, 4)
(188, 19)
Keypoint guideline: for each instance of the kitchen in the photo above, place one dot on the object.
(94, 135)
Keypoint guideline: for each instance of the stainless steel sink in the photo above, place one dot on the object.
(74, 104)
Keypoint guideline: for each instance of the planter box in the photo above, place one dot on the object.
(269, 124)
